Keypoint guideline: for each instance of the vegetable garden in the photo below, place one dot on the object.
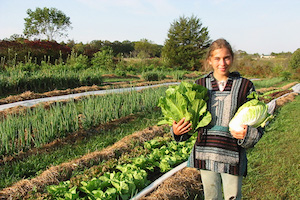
(113, 146)
(126, 161)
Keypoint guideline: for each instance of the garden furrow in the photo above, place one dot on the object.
(62, 172)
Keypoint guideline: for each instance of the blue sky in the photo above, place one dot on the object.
(255, 26)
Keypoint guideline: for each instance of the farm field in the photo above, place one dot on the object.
(85, 153)
(76, 122)
(110, 84)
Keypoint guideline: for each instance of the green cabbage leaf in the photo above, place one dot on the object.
(185, 100)
(253, 113)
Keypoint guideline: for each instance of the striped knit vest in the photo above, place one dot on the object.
(215, 149)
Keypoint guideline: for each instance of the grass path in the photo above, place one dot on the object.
(274, 163)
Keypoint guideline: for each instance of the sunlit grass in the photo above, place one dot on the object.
(273, 171)
(272, 82)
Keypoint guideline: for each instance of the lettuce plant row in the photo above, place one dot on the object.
(130, 177)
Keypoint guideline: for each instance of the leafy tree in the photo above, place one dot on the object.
(16, 37)
(103, 59)
(77, 62)
(48, 22)
(96, 44)
(186, 43)
(295, 60)
(122, 48)
(146, 49)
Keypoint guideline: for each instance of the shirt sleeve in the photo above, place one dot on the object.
(253, 135)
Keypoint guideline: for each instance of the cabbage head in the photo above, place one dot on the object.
(253, 113)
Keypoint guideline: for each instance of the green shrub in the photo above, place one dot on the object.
(28, 67)
(90, 77)
(150, 76)
(77, 62)
(178, 75)
(161, 75)
(286, 75)
(295, 60)
(147, 68)
(120, 72)
(277, 69)
(153, 75)
(103, 59)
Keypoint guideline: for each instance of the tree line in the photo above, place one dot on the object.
(185, 46)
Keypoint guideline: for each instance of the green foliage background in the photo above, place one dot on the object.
(186, 43)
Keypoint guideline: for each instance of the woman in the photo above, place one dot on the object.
(218, 152)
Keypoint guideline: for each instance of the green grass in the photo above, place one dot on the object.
(35, 164)
(273, 82)
(119, 79)
(273, 168)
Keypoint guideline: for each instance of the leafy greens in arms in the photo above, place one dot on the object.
(185, 100)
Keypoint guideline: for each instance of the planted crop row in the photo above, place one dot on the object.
(40, 126)
(130, 177)
(273, 94)
(18, 81)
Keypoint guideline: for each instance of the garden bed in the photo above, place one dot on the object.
(62, 172)
(188, 178)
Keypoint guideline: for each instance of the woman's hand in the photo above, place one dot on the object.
(181, 127)
(239, 134)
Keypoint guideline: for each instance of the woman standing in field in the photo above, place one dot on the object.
(218, 152)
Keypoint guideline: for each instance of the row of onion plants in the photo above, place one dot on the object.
(38, 126)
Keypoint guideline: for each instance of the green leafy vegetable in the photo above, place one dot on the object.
(128, 178)
(185, 100)
(252, 113)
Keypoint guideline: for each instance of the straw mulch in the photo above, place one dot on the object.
(288, 98)
(63, 172)
(184, 184)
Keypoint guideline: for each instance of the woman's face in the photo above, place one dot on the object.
(221, 61)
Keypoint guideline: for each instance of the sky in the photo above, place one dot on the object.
(254, 26)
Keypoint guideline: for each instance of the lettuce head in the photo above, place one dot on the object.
(185, 100)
